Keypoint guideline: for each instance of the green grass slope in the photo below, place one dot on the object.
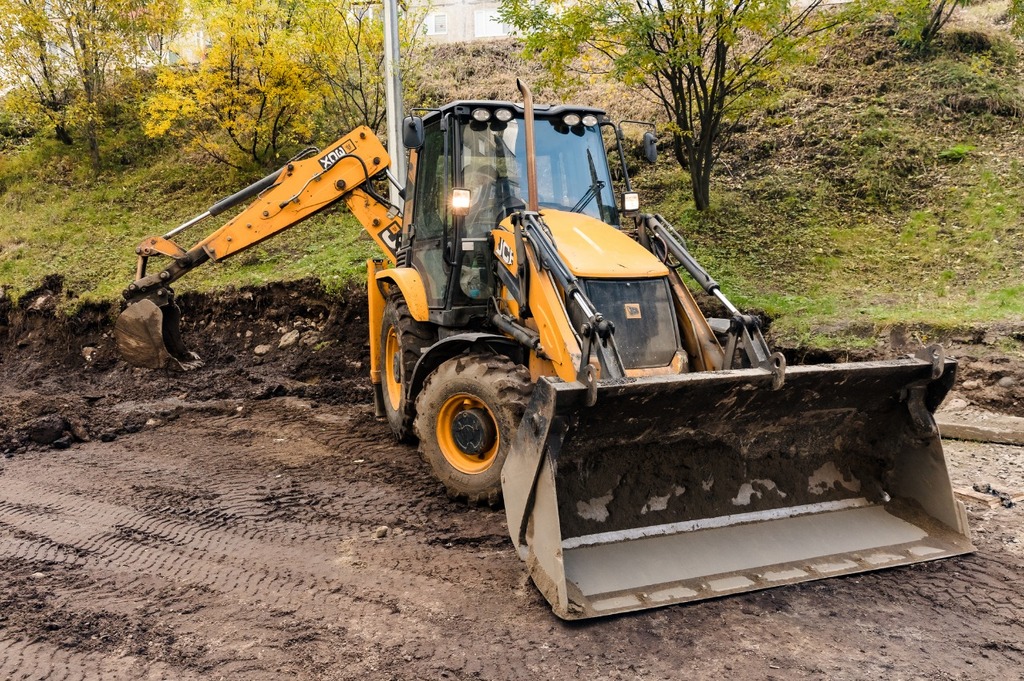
(56, 219)
(881, 188)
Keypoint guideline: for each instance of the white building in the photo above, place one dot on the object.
(451, 21)
(446, 21)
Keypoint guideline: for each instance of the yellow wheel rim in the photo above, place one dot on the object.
(392, 369)
(459, 459)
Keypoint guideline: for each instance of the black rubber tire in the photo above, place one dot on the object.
(412, 338)
(504, 388)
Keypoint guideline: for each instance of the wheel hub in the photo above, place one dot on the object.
(473, 431)
(396, 366)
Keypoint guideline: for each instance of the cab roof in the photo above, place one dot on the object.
(464, 107)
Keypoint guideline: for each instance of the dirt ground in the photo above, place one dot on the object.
(252, 520)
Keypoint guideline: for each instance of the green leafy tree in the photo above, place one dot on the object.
(250, 96)
(708, 63)
(921, 20)
(39, 81)
(277, 73)
(1017, 17)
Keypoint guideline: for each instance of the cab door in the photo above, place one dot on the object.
(431, 218)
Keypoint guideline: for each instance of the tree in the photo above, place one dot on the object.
(39, 81)
(921, 20)
(59, 55)
(278, 72)
(346, 50)
(1016, 13)
(708, 63)
(250, 96)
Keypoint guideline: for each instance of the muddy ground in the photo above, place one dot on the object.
(252, 520)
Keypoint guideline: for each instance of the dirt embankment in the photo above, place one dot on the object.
(252, 520)
(283, 339)
(291, 339)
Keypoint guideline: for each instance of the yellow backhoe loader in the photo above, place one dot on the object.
(534, 333)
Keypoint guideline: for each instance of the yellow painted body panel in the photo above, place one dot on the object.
(556, 335)
(303, 189)
(549, 319)
(410, 283)
(383, 228)
(375, 301)
(592, 248)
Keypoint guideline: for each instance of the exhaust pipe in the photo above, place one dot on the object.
(531, 150)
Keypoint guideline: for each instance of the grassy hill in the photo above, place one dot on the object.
(882, 187)
(53, 221)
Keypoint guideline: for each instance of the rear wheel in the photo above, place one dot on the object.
(402, 340)
(466, 418)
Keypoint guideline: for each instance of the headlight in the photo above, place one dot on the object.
(460, 200)
(571, 119)
(630, 202)
(481, 115)
(590, 120)
(503, 115)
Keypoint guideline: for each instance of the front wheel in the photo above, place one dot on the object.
(466, 418)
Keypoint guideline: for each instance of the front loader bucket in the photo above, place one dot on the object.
(148, 336)
(680, 488)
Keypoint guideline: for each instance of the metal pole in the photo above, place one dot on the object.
(393, 94)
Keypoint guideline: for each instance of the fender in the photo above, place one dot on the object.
(440, 352)
(410, 283)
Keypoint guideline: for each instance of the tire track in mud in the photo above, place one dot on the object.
(241, 583)
(260, 556)
(48, 632)
(111, 537)
(228, 491)
(989, 583)
(347, 483)
(220, 548)
(23, 660)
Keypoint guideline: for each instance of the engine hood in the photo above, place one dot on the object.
(593, 249)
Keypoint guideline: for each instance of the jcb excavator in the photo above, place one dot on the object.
(536, 336)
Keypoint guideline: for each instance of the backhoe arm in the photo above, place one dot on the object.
(147, 331)
(297, 191)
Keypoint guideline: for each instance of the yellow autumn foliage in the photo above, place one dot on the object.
(275, 75)
(250, 96)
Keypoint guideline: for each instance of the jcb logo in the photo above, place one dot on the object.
(389, 236)
(504, 251)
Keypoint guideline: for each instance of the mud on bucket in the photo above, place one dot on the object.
(681, 488)
(149, 336)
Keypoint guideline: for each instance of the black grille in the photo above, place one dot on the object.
(646, 333)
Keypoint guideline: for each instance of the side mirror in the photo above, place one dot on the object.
(650, 147)
(412, 132)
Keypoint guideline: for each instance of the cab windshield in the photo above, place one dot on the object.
(572, 170)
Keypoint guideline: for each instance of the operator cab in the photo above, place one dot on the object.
(468, 173)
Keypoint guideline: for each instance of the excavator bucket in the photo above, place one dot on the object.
(680, 488)
(149, 336)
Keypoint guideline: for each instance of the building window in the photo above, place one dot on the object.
(487, 24)
(436, 24)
